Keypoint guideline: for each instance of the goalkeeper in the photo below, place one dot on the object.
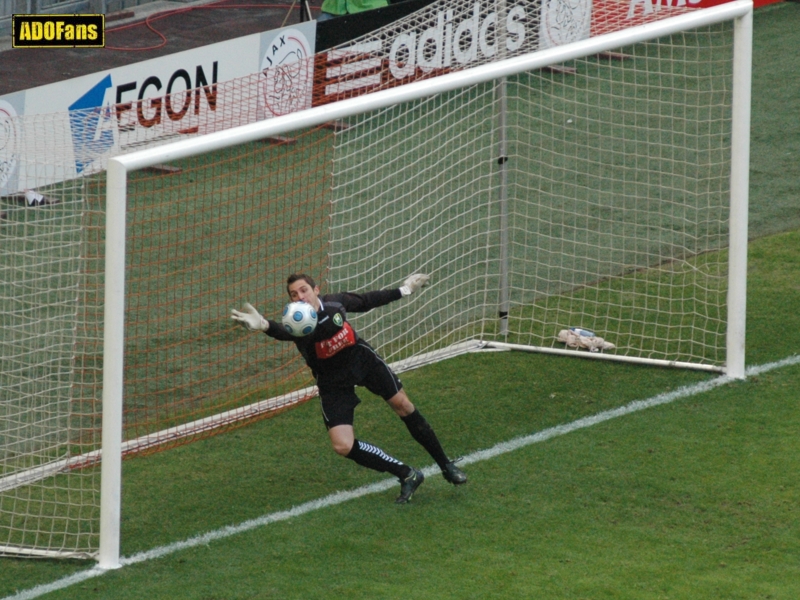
(340, 360)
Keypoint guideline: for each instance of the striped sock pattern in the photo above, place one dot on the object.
(370, 456)
(367, 447)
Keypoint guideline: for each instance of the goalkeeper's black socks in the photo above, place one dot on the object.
(424, 434)
(374, 458)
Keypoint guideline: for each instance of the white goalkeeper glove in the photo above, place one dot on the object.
(250, 318)
(413, 283)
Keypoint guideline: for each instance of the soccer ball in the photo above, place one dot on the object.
(299, 318)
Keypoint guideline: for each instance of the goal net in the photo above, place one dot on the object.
(591, 194)
(585, 186)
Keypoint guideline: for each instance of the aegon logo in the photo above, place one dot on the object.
(99, 115)
(173, 104)
(448, 42)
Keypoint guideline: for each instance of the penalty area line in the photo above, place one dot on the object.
(387, 484)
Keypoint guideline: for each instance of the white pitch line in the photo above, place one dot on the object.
(386, 484)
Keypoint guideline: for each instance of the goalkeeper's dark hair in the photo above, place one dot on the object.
(294, 277)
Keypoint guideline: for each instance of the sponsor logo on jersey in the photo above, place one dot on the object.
(344, 338)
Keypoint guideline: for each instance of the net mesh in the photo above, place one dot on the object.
(630, 158)
(48, 385)
(617, 171)
(217, 232)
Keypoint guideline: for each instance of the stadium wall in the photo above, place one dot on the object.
(179, 95)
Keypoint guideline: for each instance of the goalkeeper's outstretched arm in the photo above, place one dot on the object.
(366, 301)
(252, 320)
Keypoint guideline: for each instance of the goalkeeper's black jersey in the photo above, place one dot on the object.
(333, 349)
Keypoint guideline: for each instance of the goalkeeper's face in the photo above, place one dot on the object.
(301, 291)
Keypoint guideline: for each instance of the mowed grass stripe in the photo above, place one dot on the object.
(386, 484)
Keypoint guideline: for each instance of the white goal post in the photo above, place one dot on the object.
(119, 168)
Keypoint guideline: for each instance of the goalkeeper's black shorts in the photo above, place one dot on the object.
(338, 398)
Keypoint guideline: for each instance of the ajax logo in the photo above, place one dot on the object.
(565, 21)
(288, 70)
(8, 142)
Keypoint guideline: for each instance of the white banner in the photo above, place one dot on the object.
(79, 123)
